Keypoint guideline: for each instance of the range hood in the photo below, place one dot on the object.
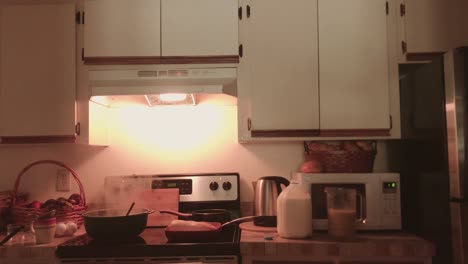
(121, 86)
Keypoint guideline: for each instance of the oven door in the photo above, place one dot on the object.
(319, 203)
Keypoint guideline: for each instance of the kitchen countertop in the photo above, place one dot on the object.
(366, 244)
(372, 244)
(41, 251)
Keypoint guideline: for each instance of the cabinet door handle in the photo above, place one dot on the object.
(78, 128)
(239, 13)
(248, 11)
(241, 50)
(402, 9)
(78, 18)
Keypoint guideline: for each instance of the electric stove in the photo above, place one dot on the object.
(152, 246)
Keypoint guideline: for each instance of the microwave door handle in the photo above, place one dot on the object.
(361, 212)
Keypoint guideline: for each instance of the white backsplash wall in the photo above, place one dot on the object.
(158, 141)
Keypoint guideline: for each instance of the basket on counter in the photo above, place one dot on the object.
(23, 214)
(344, 156)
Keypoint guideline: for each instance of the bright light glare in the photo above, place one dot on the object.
(174, 134)
(172, 97)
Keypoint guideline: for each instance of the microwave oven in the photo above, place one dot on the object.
(378, 201)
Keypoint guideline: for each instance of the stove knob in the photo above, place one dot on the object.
(214, 186)
(227, 186)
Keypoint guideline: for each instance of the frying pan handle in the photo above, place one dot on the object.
(239, 220)
(174, 213)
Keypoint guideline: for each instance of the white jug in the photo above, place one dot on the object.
(294, 212)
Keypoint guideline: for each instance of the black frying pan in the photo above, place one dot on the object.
(205, 215)
(114, 223)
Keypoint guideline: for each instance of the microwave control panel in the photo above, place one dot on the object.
(390, 197)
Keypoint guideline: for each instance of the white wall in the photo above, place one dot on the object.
(158, 140)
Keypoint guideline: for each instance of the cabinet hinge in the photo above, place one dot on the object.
(239, 13)
(404, 47)
(77, 128)
(386, 8)
(391, 121)
(249, 124)
(241, 50)
(248, 11)
(402, 9)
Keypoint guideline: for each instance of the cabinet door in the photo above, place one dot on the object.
(199, 28)
(426, 26)
(458, 23)
(37, 70)
(283, 61)
(122, 28)
(354, 92)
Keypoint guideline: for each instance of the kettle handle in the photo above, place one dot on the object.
(279, 181)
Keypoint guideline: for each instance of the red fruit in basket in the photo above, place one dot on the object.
(50, 204)
(75, 199)
(64, 204)
(34, 204)
(311, 166)
(350, 146)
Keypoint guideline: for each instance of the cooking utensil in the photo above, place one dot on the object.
(266, 191)
(205, 215)
(46, 215)
(181, 235)
(159, 199)
(114, 223)
(10, 235)
(130, 209)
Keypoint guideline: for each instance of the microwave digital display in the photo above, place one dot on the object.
(390, 187)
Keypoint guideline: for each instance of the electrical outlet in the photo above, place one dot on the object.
(62, 184)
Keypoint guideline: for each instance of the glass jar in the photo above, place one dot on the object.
(25, 236)
(29, 235)
(18, 238)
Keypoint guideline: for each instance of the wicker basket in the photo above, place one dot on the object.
(22, 214)
(344, 161)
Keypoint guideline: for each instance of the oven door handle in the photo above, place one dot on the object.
(361, 212)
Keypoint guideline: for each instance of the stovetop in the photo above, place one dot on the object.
(151, 243)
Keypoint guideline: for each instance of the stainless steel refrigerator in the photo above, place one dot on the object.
(431, 153)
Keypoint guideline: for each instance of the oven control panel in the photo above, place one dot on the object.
(193, 188)
(184, 185)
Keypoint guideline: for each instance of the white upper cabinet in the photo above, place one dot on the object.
(150, 30)
(122, 28)
(282, 59)
(424, 27)
(199, 28)
(353, 65)
(317, 69)
(37, 70)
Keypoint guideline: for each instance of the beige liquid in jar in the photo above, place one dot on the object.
(341, 222)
